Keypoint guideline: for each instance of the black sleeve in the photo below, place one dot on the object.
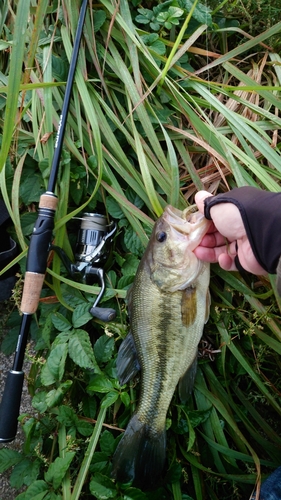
(261, 215)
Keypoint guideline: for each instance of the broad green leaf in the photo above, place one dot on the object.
(84, 428)
(99, 19)
(61, 322)
(134, 494)
(39, 401)
(55, 396)
(133, 242)
(100, 383)
(109, 399)
(81, 351)
(104, 348)
(58, 469)
(81, 315)
(46, 332)
(102, 487)
(25, 473)
(37, 491)
(9, 458)
(107, 443)
(53, 369)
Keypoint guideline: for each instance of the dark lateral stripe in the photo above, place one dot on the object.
(166, 341)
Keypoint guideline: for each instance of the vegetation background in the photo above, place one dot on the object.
(169, 97)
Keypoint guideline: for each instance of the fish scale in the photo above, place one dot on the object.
(168, 305)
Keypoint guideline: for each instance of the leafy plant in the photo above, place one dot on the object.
(153, 118)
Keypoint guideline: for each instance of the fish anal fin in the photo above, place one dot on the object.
(189, 306)
(127, 360)
(187, 381)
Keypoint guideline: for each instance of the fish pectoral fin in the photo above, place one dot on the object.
(208, 305)
(127, 363)
(189, 306)
(187, 381)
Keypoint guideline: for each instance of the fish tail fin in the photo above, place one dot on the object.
(140, 455)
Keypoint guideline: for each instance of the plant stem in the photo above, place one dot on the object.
(88, 456)
(66, 484)
(176, 45)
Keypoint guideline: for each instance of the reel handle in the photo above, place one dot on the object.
(105, 314)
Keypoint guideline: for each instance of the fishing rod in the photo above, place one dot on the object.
(37, 259)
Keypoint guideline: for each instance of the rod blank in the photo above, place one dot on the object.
(37, 261)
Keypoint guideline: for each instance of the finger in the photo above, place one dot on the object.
(213, 254)
(214, 239)
(247, 258)
(228, 220)
(206, 254)
(226, 262)
(199, 199)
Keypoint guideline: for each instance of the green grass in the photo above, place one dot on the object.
(151, 121)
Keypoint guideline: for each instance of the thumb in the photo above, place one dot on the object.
(199, 199)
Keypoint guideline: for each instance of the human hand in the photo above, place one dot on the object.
(226, 238)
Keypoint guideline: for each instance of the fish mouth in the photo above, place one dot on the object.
(186, 221)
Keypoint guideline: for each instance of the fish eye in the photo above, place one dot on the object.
(161, 236)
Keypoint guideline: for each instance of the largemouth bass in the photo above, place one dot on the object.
(168, 305)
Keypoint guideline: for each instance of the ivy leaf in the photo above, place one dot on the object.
(80, 350)
(58, 469)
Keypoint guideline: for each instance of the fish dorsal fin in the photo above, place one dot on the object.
(189, 306)
(187, 381)
(127, 363)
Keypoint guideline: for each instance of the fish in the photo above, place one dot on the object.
(168, 305)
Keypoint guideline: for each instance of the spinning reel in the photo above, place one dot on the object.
(92, 250)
